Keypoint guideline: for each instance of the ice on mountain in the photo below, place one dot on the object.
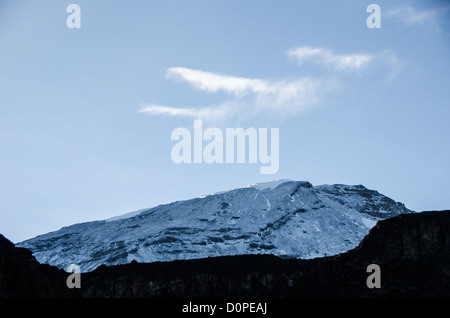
(282, 217)
(269, 184)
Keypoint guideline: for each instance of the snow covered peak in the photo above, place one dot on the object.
(280, 217)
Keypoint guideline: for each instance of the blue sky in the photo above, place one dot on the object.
(86, 114)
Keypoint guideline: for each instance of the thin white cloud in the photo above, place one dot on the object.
(201, 112)
(251, 96)
(278, 91)
(353, 63)
(278, 98)
(212, 82)
(339, 62)
(410, 16)
(153, 109)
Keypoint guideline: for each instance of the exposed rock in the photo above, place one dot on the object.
(413, 252)
(22, 276)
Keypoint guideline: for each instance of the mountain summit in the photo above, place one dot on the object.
(285, 218)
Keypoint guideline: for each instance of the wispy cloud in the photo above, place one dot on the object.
(212, 82)
(280, 98)
(200, 113)
(321, 56)
(251, 95)
(354, 63)
(410, 16)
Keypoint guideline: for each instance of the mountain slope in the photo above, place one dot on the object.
(290, 218)
(412, 251)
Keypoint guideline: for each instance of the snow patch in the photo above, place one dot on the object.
(126, 215)
(369, 223)
(269, 184)
(268, 203)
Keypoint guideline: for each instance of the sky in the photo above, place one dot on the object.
(87, 114)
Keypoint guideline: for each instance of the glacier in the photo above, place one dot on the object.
(283, 217)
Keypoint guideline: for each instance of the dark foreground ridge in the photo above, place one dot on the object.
(412, 251)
